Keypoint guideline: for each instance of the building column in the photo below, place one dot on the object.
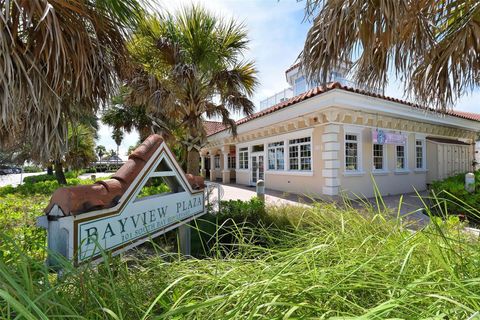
(225, 169)
(212, 166)
(331, 159)
(202, 165)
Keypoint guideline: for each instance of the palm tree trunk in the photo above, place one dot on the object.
(193, 162)
(59, 173)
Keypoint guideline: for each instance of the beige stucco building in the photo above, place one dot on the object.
(336, 139)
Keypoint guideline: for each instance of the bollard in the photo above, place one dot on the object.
(261, 190)
(93, 177)
(185, 238)
(470, 182)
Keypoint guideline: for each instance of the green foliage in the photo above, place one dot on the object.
(81, 146)
(150, 190)
(329, 262)
(32, 169)
(48, 177)
(455, 199)
(17, 218)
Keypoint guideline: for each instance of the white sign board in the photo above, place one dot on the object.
(159, 199)
(140, 218)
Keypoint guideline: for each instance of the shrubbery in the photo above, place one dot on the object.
(32, 169)
(329, 262)
(456, 199)
(48, 177)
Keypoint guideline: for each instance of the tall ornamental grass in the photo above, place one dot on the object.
(323, 262)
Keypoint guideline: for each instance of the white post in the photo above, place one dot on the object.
(261, 190)
(202, 165)
(470, 182)
(212, 167)
(185, 238)
(225, 171)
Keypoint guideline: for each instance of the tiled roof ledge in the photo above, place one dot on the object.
(106, 194)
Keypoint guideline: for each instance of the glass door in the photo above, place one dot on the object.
(258, 168)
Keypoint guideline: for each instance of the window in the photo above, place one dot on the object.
(300, 154)
(231, 162)
(351, 152)
(300, 85)
(419, 154)
(243, 158)
(401, 158)
(378, 157)
(276, 156)
(217, 162)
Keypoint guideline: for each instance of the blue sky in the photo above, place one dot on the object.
(277, 32)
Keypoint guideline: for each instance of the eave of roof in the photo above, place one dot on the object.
(336, 85)
(296, 65)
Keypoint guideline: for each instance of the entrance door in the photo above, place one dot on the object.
(257, 168)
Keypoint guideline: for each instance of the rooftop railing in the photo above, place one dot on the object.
(288, 93)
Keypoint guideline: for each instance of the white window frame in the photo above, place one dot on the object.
(243, 158)
(405, 156)
(424, 154)
(299, 154)
(275, 149)
(358, 132)
(285, 137)
(384, 159)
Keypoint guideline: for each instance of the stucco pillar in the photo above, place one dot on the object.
(212, 167)
(331, 159)
(225, 170)
(202, 165)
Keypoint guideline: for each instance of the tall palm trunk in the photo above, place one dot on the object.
(193, 162)
(60, 175)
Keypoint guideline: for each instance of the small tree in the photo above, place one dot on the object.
(117, 136)
(191, 66)
(100, 151)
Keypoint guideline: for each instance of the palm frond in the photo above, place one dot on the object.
(433, 46)
(44, 74)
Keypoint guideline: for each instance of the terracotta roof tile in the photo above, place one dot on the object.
(212, 126)
(336, 85)
(107, 193)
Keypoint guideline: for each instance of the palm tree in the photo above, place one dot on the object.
(81, 146)
(192, 66)
(128, 118)
(117, 136)
(432, 45)
(100, 151)
(57, 56)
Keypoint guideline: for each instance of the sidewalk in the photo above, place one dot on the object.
(411, 205)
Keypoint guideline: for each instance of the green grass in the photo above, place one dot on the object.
(323, 262)
(457, 200)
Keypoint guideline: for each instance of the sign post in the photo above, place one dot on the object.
(121, 213)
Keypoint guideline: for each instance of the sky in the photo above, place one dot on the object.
(277, 31)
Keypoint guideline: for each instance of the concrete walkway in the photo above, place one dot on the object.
(410, 206)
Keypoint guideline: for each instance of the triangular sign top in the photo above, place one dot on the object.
(134, 220)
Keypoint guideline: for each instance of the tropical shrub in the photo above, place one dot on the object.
(32, 169)
(454, 199)
(17, 220)
(330, 263)
(48, 177)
